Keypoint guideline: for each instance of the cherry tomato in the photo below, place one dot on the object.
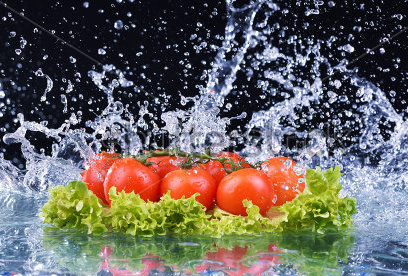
(286, 182)
(188, 182)
(96, 172)
(243, 184)
(128, 174)
(165, 164)
(216, 169)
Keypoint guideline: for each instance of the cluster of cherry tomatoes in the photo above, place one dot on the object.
(272, 183)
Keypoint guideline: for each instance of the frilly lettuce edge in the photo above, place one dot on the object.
(318, 209)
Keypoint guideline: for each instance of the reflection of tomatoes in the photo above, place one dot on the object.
(286, 182)
(165, 164)
(264, 260)
(128, 174)
(188, 182)
(151, 263)
(243, 184)
(230, 261)
(225, 258)
(216, 169)
(96, 172)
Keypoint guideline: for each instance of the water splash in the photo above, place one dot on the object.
(374, 157)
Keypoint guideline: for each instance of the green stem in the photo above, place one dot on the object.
(193, 158)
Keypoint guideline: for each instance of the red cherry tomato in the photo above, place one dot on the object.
(128, 174)
(165, 164)
(216, 169)
(96, 172)
(286, 182)
(188, 182)
(243, 184)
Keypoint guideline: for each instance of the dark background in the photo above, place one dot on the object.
(158, 52)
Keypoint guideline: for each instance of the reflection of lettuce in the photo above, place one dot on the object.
(319, 209)
(307, 252)
(314, 254)
(78, 252)
(170, 250)
(72, 250)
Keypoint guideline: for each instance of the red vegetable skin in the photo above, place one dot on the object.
(128, 174)
(188, 182)
(165, 164)
(285, 181)
(96, 172)
(216, 169)
(250, 184)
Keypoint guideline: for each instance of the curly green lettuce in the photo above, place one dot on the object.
(74, 206)
(319, 209)
(134, 216)
(223, 223)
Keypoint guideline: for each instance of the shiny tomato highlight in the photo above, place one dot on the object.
(250, 184)
(188, 182)
(96, 172)
(216, 169)
(165, 164)
(128, 174)
(285, 181)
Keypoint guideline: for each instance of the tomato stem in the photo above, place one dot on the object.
(193, 158)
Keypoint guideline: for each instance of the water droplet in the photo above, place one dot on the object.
(348, 48)
(72, 59)
(64, 102)
(23, 43)
(101, 51)
(118, 24)
(398, 16)
(39, 72)
(86, 5)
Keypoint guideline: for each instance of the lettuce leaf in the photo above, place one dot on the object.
(74, 206)
(134, 216)
(224, 223)
(319, 208)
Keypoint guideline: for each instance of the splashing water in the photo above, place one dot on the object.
(374, 165)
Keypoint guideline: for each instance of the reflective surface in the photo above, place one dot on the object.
(28, 247)
(273, 72)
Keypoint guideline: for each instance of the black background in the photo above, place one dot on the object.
(162, 33)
